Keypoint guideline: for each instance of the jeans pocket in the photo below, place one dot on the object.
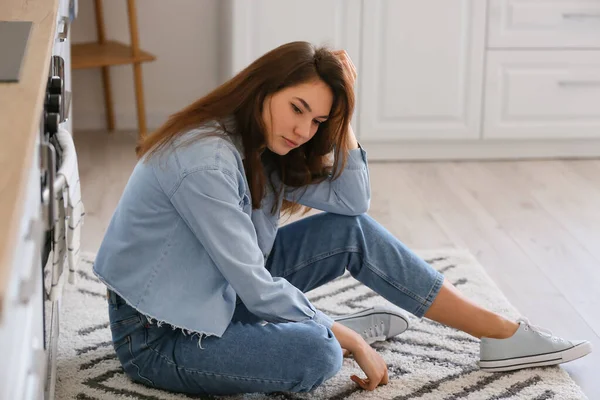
(132, 361)
(125, 322)
(118, 344)
(122, 327)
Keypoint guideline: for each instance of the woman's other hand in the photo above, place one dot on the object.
(365, 356)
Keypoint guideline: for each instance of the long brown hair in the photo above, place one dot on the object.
(243, 96)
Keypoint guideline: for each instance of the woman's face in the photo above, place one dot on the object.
(292, 115)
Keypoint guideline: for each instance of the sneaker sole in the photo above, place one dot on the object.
(397, 328)
(558, 357)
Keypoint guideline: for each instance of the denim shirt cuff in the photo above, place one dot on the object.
(323, 319)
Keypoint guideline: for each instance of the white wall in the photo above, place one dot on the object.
(185, 35)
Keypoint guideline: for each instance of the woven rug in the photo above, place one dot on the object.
(429, 361)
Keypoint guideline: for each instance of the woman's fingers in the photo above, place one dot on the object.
(368, 384)
(386, 378)
(363, 383)
(347, 62)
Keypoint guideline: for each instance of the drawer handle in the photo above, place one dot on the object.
(48, 201)
(580, 16)
(27, 285)
(578, 83)
(62, 35)
(36, 374)
(67, 106)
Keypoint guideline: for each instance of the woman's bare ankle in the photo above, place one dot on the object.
(508, 329)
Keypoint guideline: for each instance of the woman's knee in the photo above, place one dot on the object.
(323, 357)
(357, 225)
(330, 353)
(348, 221)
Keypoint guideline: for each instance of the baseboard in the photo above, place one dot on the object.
(481, 150)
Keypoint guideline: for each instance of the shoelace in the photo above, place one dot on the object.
(375, 331)
(539, 330)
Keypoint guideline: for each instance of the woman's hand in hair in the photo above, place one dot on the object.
(350, 71)
(343, 56)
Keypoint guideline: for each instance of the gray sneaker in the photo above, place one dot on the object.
(376, 324)
(529, 347)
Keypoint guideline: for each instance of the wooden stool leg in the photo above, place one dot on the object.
(137, 67)
(108, 104)
(110, 114)
(139, 96)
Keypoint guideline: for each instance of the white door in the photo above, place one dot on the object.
(421, 69)
(259, 26)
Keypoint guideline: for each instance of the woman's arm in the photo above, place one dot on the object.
(352, 142)
(349, 194)
(209, 201)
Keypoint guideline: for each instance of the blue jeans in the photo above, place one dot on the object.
(294, 357)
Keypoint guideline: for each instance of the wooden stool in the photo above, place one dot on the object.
(105, 53)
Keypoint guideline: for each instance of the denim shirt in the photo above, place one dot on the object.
(184, 239)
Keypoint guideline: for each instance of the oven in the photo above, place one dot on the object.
(55, 117)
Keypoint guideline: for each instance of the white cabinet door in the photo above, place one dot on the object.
(21, 322)
(421, 69)
(259, 26)
(544, 24)
(542, 95)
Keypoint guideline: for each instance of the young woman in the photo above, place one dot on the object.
(206, 293)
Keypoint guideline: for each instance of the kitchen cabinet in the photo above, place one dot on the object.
(455, 79)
